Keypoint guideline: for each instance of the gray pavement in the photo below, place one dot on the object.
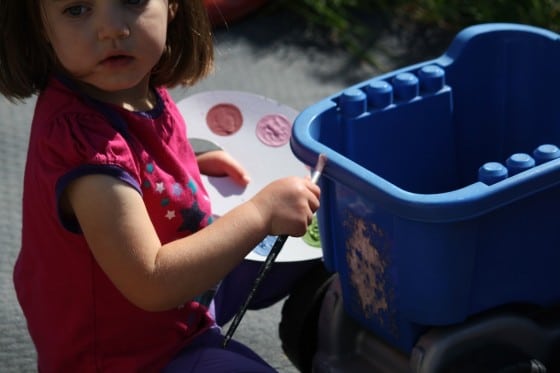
(266, 54)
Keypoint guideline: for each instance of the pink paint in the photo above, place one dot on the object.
(274, 130)
(224, 119)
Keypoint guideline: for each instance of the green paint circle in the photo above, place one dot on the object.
(311, 237)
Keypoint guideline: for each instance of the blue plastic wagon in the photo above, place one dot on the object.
(441, 196)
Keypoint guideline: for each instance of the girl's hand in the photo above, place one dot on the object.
(287, 205)
(220, 163)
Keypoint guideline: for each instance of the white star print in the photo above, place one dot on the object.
(160, 187)
(170, 214)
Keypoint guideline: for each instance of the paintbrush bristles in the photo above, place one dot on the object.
(321, 162)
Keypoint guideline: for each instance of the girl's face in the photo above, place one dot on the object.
(108, 46)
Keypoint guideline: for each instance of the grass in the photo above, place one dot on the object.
(349, 23)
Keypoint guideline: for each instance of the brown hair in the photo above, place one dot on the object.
(27, 60)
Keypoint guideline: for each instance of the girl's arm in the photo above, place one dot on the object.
(156, 277)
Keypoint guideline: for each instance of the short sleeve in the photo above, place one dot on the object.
(78, 139)
(78, 144)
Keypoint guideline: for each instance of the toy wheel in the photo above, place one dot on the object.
(495, 358)
(300, 314)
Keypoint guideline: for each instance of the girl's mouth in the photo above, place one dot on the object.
(117, 61)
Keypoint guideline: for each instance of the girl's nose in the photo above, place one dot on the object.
(112, 23)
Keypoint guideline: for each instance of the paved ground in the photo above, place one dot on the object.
(268, 55)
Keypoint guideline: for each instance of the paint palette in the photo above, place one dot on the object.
(255, 130)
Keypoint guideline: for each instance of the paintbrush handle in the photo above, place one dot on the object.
(265, 267)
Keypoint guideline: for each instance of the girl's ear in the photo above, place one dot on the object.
(173, 6)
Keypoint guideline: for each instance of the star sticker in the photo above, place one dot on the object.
(170, 214)
(191, 218)
(160, 187)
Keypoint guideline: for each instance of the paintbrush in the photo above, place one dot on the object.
(271, 257)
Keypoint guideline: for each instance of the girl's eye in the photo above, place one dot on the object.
(135, 2)
(76, 10)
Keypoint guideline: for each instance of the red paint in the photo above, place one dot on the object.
(224, 119)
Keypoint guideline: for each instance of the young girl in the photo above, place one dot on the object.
(117, 239)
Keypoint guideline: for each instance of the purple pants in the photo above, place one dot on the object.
(206, 354)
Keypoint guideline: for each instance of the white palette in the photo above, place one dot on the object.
(264, 163)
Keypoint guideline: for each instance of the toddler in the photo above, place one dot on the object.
(119, 246)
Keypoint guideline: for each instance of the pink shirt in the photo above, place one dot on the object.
(77, 319)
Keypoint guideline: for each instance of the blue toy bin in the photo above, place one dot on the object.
(441, 194)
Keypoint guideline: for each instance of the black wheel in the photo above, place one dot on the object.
(300, 314)
(495, 358)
